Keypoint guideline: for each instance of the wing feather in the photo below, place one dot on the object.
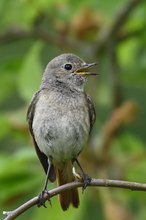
(42, 157)
(91, 110)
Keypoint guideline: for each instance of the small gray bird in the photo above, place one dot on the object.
(60, 117)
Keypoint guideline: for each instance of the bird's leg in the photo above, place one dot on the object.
(41, 199)
(84, 177)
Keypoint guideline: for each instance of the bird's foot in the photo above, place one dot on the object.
(42, 199)
(83, 177)
(86, 180)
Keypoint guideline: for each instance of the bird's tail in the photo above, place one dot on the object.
(65, 175)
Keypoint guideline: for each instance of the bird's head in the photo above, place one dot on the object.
(69, 69)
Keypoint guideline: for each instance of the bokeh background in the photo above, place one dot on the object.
(32, 32)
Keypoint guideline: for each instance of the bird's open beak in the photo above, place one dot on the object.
(84, 69)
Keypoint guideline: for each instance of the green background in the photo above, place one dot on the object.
(32, 33)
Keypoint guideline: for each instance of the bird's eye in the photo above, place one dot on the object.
(68, 66)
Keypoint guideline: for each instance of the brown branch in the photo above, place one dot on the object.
(37, 33)
(118, 22)
(131, 34)
(64, 42)
(123, 114)
(10, 215)
(114, 72)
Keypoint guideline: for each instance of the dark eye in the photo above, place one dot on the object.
(68, 66)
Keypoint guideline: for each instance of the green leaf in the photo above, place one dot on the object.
(4, 126)
(127, 58)
(30, 73)
(20, 176)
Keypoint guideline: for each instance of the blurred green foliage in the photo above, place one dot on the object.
(31, 34)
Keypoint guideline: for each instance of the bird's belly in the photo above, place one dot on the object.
(61, 139)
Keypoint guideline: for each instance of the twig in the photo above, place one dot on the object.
(63, 42)
(114, 74)
(10, 215)
(118, 22)
(122, 36)
(37, 33)
(121, 115)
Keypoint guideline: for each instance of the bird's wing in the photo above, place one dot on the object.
(42, 157)
(91, 110)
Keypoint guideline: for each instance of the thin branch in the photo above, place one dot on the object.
(125, 113)
(118, 22)
(114, 71)
(10, 215)
(131, 34)
(37, 33)
(64, 42)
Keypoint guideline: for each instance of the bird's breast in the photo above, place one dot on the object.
(61, 125)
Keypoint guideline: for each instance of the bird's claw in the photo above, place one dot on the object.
(86, 180)
(42, 199)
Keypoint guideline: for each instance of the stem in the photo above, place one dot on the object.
(10, 215)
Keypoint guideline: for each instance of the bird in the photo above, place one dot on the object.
(60, 119)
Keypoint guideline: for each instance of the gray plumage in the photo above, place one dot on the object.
(61, 116)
